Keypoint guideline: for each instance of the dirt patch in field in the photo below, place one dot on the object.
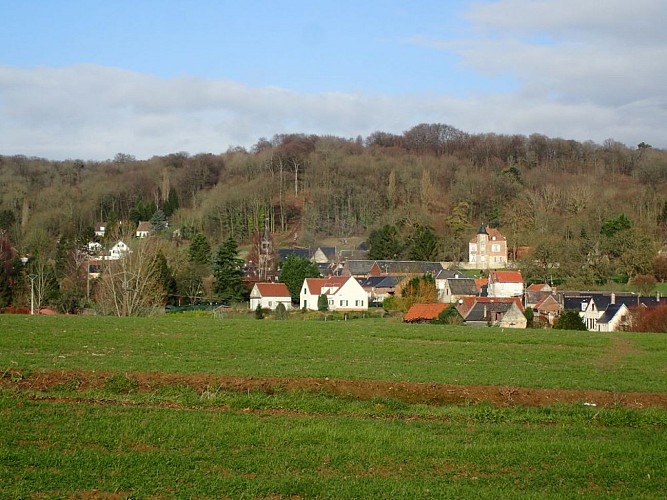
(409, 392)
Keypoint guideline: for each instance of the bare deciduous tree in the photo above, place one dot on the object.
(130, 286)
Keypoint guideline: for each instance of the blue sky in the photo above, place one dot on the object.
(88, 79)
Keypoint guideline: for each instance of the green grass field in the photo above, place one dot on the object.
(115, 441)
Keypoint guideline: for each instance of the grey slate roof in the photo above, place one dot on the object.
(329, 252)
(462, 286)
(609, 313)
(283, 253)
(477, 311)
(573, 300)
(380, 281)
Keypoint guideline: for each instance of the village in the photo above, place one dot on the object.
(485, 290)
(499, 299)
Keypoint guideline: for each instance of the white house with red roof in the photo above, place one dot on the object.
(144, 229)
(269, 295)
(344, 293)
(505, 284)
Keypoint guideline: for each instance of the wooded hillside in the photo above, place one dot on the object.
(594, 209)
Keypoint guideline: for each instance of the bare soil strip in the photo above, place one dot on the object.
(409, 392)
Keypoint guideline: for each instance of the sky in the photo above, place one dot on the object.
(87, 79)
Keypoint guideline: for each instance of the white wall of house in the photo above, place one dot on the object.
(590, 315)
(501, 289)
(270, 302)
(615, 323)
(118, 251)
(513, 318)
(348, 297)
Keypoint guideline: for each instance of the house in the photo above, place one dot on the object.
(365, 268)
(344, 293)
(487, 249)
(324, 255)
(379, 288)
(465, 304)
(100, 229)
(94, 248)
(502, 312)
(514, 317)
(94, 268)
(535, 293)
(118, 251)
(269, 295)
(605, 317)
(592, 306)
(453, 289)
(144, 229)
(615, 317)
(422, 313)
(547, 310)
(505, 284)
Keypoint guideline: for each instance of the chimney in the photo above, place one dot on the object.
(613, 298)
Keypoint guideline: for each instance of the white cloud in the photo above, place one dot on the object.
(584, 70)
(639, 20)
(612, 52)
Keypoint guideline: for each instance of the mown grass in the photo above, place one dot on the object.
(311, 446)
(360, 349)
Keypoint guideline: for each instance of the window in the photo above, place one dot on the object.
(359, 303)
(495, 248)
(343, 303)
(270, 303)
(331, 302)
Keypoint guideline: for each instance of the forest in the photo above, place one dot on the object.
(577, 212)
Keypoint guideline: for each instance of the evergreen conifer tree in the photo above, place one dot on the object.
(228, 272)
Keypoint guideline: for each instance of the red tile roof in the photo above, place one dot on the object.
(505, 277)
(547, 304)
(481, 283)
(272, 289)
(538, 287)
(315, 285)
(424, 312)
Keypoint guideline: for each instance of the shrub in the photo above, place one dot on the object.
(449, 316)
(570, 320)
(530, 317)
(259, 312)
(281, 311)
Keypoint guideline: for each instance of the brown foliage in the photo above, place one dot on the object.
(652, 319)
